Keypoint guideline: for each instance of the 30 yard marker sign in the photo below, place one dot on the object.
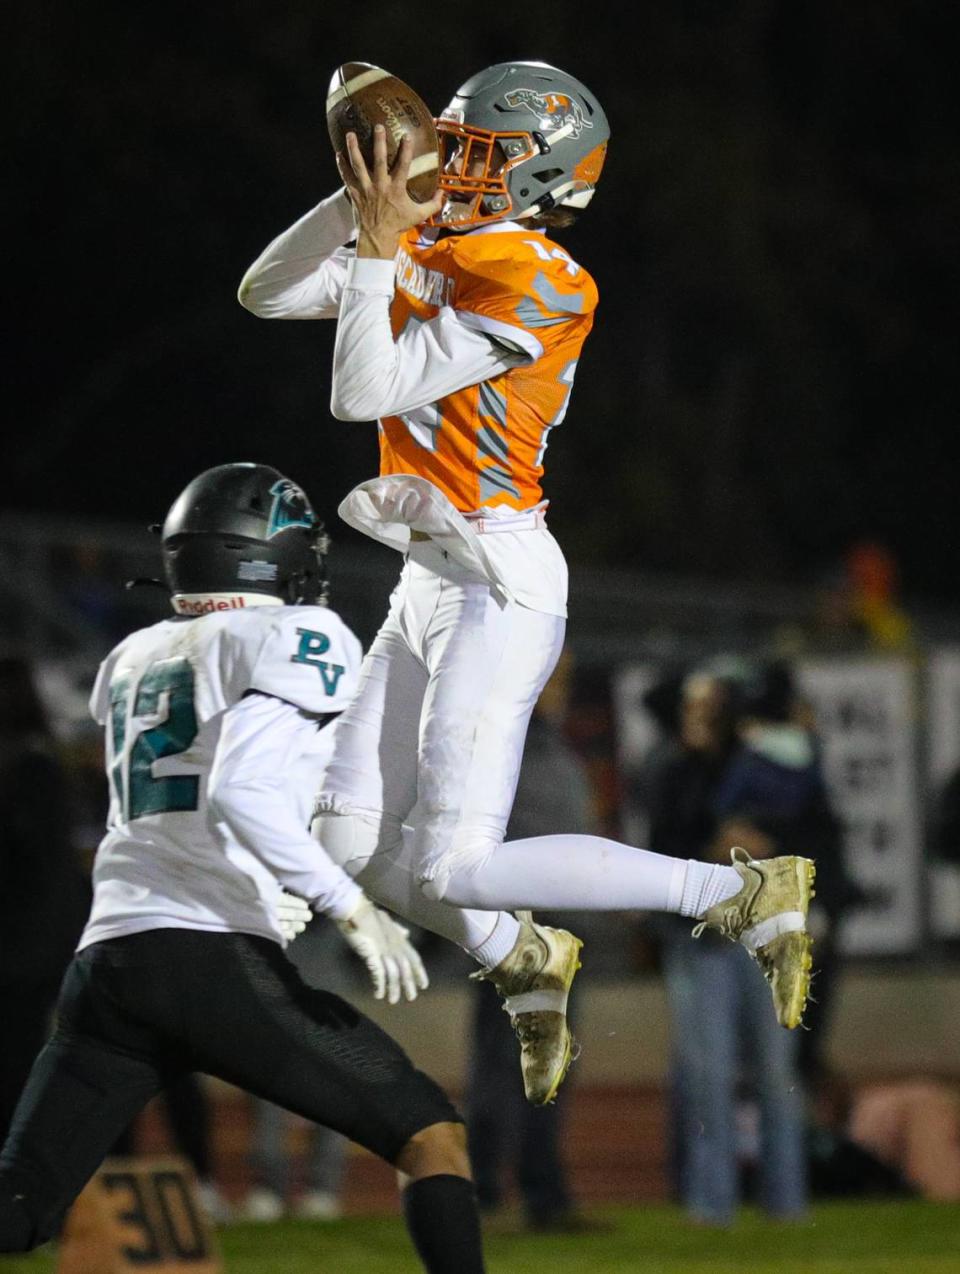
(139, 1214)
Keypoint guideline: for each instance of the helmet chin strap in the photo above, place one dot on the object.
(209, 603)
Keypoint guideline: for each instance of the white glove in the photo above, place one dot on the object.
(293, 914)
(383, 947)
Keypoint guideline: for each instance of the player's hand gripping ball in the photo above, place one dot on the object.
(361, 96)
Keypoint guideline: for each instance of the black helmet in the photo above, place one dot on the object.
(245, 529)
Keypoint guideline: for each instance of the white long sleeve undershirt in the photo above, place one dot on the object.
(300, 274)
(308, 273)
(260, 741)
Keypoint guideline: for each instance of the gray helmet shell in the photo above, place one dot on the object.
(551, 129)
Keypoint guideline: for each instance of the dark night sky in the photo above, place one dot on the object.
(774, 369)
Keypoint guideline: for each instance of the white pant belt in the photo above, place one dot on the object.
(534, 519)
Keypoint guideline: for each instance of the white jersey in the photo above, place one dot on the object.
(213, 726)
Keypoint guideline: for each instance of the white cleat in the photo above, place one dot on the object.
(769, 917)
(534, 981)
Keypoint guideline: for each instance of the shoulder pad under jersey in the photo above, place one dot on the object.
(310, 658)
(522, 280)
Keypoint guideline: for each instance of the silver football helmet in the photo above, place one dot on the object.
(519, 138)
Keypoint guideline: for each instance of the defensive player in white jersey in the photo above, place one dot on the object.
(459, 326)
(210, 718)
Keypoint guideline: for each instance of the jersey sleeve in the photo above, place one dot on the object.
(252, 791)
(100, 694)
(523, 296)
(375, 375)
(300, 275)
(309, 658)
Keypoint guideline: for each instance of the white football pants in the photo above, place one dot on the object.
(434, 740)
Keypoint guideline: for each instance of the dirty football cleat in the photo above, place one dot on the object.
(534, 981)
(769, 917)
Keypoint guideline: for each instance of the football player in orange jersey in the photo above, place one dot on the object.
(459, 326)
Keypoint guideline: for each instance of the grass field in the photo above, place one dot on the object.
(859, 1238)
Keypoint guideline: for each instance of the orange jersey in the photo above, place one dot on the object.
(483, 446)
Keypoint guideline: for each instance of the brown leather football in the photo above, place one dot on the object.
(361, 96)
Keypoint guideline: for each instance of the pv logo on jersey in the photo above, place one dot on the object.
(312, 646)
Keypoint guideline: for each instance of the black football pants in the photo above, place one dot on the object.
(136, 1013)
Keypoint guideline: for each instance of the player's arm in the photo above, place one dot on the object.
(376, 376)
(261, 739)
(301, 274)
(248, 793)
(373, 374)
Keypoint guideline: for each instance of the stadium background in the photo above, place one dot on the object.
(761, 454)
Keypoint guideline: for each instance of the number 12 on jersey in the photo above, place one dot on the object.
(162, 723)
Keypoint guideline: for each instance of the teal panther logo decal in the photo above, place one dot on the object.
(290, 508)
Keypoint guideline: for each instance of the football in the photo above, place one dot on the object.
(361, 96)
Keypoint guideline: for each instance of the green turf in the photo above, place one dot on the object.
(856, 1238)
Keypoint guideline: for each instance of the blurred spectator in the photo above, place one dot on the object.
(742, 770)
(874, 578)
(839, 1166)
(912, 1126)
(504, 1130)
(837, 626)
(773, 800)
(43, 899)
(857, 608)
(703, 979)
(769, 798)
(270, 1196)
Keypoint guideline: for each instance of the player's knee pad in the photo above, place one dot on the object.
(348, 839)
(453, 878)
(434, 888)
(351, 837)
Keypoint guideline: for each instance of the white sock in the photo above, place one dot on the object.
(570, 873)
(705, 885)
(495, 949)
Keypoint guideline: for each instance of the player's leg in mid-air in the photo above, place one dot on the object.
(124, 1032)
(370, 790)
(484, 664)
(763, 905)
(403, 755)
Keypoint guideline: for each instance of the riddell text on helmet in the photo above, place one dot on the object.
(206, 606)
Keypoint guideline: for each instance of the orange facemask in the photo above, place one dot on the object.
(474, 173)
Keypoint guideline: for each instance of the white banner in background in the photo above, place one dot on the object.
(865, 713)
